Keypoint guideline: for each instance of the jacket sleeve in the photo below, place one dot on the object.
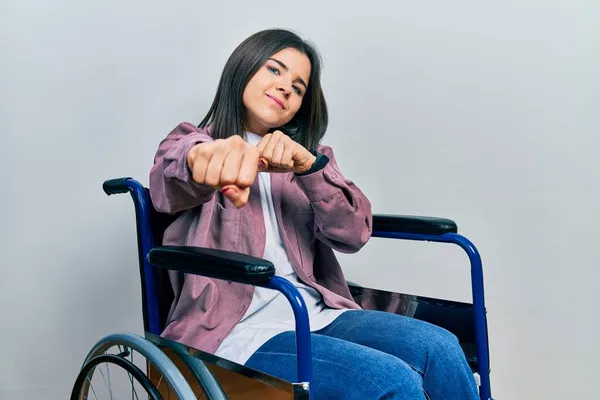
(343, 218)
(171, 186)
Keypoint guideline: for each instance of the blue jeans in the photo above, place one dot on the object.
(375, 355)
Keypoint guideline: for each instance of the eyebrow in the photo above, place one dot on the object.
(282, 65)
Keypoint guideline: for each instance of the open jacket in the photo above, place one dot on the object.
(317, 213)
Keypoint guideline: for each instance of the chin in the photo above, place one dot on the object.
(271, 123)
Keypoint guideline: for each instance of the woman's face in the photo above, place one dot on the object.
(274, 94)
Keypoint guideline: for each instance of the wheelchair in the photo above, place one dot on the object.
(175, 370)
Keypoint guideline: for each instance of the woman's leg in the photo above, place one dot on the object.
(430, 350)
(341, 370)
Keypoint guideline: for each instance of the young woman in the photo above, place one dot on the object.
(269, 189)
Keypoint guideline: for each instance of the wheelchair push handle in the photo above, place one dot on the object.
(115, 186)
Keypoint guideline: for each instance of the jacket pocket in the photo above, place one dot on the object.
(225, 227)
(226, 213)
(304, 222)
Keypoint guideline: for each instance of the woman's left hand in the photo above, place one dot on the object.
(279, 153)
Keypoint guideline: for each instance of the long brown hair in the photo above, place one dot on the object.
(226, 114)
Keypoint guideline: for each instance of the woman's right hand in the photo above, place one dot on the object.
(229, 165)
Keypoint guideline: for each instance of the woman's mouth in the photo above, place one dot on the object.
(276, 101)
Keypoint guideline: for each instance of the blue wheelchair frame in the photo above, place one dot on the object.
(152, 320)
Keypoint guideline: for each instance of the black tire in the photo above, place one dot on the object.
(128, 366)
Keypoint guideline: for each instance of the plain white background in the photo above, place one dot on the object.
(484, 113)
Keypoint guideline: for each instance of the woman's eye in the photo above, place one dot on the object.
(273, 70)
(297, 90)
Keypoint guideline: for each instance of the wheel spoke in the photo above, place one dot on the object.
(91, 387)
(124, 353)
(106, 382)
(109, 383)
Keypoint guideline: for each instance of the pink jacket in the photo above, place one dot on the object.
(317, 213)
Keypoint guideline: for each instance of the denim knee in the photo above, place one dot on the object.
(448, 375)
(445, 345)
(397, 380)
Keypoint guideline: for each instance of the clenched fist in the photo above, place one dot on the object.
(279, 153)
(229, 165)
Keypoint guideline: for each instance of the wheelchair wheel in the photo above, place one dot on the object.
(83, 382)
(115, 366)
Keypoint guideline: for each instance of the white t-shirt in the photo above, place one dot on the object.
(270, 312)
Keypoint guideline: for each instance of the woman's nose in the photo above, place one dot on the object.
(283, 89)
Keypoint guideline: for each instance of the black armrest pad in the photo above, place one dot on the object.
(212, 263)
(413, 224)
(115, 186)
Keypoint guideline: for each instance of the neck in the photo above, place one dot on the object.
(255, 128)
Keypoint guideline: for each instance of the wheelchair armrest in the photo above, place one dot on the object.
(213, 263)
(116, 186)
(413, 224)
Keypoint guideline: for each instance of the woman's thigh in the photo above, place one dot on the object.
(341, 369)
(433, 352)
(409, 339)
